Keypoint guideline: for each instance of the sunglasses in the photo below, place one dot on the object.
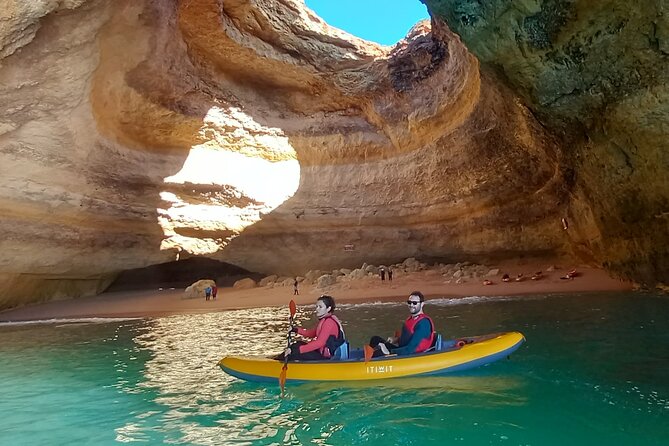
(413, 302)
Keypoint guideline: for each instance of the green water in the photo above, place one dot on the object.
(594, 370)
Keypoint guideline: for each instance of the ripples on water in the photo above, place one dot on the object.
(594, 371)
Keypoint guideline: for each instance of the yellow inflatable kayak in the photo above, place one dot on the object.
(447, 357)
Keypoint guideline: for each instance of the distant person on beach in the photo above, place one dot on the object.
(296, 291)
(417, 332)
(383, 274)
(390, 275)
(214, 292)
(207, 293)
(326, 337)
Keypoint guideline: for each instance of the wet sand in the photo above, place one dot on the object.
(164, 302)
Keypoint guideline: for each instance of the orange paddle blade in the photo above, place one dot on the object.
(293, 308)
(369, 352)
(282, 377)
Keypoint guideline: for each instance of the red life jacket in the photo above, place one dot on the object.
(333, 342)
(410, 325)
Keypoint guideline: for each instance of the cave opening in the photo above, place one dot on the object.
(381, 22)
(180, 274)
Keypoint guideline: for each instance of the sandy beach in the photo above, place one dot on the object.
(167, 301)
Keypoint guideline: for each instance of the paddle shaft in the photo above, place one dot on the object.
(290, 334)
(284, 369)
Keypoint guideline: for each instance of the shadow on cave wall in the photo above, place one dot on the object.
(181, 274)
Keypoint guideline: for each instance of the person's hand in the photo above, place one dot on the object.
(287, 352)
(391, 340)
(293, 329)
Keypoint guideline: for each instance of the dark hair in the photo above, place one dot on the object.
(418, 294)
(328, 301)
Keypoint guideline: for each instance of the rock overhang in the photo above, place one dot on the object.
(284, 139)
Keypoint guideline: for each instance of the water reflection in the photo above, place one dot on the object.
(156, 381)
(205, 406)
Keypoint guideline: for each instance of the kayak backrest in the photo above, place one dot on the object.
(436, 345)
(341, 352)
(437, 342)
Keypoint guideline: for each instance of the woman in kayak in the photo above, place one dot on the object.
(326, 337)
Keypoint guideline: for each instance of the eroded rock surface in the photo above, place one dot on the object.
(136, 132)
(597, 74)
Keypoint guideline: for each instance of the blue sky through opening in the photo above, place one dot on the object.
(381, 21)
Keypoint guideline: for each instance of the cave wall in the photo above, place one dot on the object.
(596, 74)
(137, 132)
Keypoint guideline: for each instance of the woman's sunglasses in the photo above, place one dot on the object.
(413, 302)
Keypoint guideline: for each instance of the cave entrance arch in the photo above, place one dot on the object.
(180, 274)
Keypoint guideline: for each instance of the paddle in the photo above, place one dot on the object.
(284, 369)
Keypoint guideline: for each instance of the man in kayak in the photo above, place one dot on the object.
(417, 332)
(327, 336)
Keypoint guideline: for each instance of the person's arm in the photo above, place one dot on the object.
(330, 327)
(422, 331)
(307, 332)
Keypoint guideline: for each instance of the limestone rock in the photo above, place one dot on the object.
(267, 280)
(358, 273)
(598, 78)
(135, 133)
(326, 280)
(196, 290)
(371, 269)
(312, 276)
(245, 284)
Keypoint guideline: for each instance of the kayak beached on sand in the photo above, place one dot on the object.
(446, 357)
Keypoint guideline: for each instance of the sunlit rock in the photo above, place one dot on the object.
(197, 289)
(135, 132)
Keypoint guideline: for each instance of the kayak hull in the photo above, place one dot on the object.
(476, 352)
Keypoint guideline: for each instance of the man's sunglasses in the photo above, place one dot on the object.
(413, 302)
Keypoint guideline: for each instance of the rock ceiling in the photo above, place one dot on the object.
(139, 132)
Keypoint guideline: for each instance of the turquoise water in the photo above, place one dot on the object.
(594, 370)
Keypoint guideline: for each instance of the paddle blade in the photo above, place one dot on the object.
(293, 308)
(282, 377)
(369, 352)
